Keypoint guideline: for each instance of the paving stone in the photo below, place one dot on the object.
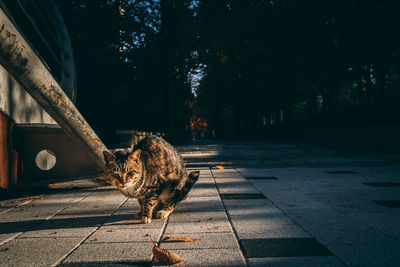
(329, 261)
(268, 210)
(388, 203)
(203, 188)
(203, 191)
(323, 221)
(126, 221)
(353, 235)
(40, 209)
(386, 222)
(36, 251)
(123, 235)
(246, 203)
(228, 175)
(98, 203)
(257, 172)
(255, 226)
(209, 226)
(8, 236)
(282, 247)
(382, 184)
(231, 180)
(236, 188)
(341, 172)
(4, 210)
(108, 263)
(205, 241)
(131, 206)
(111, 252)
(243, 196)
(197, 216)
(50, 230)
(200, 204)
(210, 257)
(261, 178)
(371, 254)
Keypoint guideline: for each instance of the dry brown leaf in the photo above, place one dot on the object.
(52, 185)
(179, 239)
(220, 167)
(164, 256)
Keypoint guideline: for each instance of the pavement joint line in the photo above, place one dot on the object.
(73, 204)
(163, 228)
(4, 211)
(10, 238)
(43, 220)
(60, 260)
(233, 230)
(21, 204)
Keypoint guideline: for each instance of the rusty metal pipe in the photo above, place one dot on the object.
(22, 62)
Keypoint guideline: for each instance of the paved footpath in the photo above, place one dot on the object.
(270, 205)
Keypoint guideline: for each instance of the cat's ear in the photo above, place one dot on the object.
(135, 155)
(108, 156)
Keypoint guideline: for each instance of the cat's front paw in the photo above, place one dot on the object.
(145, 219)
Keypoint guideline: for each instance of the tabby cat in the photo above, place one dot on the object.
(153, 173)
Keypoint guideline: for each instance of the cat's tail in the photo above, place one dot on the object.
(191, 180)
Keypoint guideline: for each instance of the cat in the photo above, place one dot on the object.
(154, 173)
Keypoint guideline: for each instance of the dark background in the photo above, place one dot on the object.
(234, 68)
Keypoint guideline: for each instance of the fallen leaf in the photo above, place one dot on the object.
(164, 256)
(96, 239)
(179, 239)
(220, 167)
(52, 185)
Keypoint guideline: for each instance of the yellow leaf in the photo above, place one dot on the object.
(164, 256)
(179, 239)
(220, 167)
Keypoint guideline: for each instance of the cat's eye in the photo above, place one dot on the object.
(116, 174)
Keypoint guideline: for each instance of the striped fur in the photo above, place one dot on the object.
(154, 173)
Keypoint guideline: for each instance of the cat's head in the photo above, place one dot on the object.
(123, 170)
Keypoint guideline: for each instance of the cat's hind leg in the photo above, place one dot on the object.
(165, 211)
